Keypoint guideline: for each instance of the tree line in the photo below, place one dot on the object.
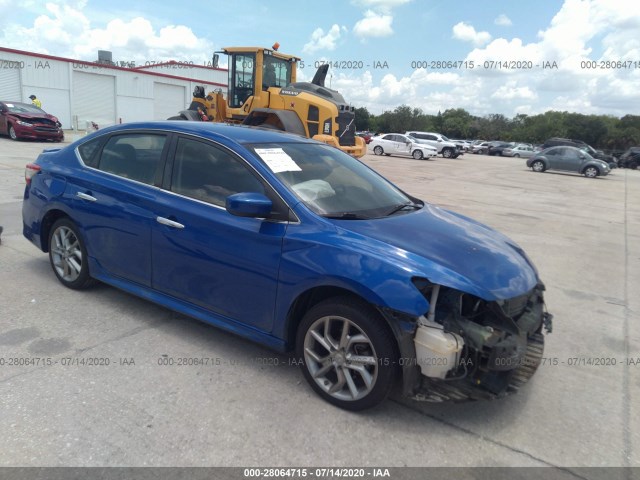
(600, 131)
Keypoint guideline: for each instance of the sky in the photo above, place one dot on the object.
(486, 56)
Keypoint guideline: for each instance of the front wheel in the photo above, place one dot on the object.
(349, 356)
(378, 150)
(12, 133)
(447, 153)
(538, 166)
(516, 155)
(591, 172)
(68, 255)
(417, 154)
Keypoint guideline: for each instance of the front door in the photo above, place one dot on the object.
(204, 255)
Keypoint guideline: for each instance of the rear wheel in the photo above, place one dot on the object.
(68, 255)
(417, 154)
(378, 150)
(349, 354)
(538, 166)
(447, 152)
(12, 133)
(591, 172)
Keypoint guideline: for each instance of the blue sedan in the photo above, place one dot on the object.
(295, 245)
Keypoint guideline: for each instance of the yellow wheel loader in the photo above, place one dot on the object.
(263, 92)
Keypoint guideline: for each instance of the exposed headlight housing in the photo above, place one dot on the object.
(24, 124)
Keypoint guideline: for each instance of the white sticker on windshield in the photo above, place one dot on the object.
(278, 160)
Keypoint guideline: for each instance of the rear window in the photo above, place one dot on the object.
(88, 152)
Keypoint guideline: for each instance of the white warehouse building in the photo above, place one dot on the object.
(78, 92)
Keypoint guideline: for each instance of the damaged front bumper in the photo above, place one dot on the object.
(472, 349)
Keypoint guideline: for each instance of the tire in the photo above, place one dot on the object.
(633, 165)
(516, 155)
(328, 335)
(12, 133)
(591, 172)
(417, 154)
(447, 152)
(378, 150)
(538, 166)
(176, 117)
(68, 255)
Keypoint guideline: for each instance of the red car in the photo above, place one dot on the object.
(23, 120)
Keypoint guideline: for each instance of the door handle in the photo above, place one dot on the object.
(169, 223)
(84, 196)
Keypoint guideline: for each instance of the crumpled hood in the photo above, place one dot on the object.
(30, 117)
(453, 250)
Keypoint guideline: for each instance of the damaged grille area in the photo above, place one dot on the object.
(503, 344)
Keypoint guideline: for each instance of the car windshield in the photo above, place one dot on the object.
(588, 151)
(332, 183)
(23, 108)
(445, 138)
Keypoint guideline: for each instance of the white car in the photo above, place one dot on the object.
(523, 151)
(446, 147)
(398, 144)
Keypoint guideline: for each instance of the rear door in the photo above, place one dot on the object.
(204, 255)
(115, 201)
(388, 143)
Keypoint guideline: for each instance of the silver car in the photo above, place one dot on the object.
(523, 151)
(569, 159)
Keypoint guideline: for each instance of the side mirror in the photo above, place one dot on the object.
(248, 204)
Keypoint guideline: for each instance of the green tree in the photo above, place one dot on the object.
(363, 118)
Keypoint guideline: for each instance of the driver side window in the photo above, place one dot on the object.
(208, 173)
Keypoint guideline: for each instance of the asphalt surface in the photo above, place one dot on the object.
(251, 407)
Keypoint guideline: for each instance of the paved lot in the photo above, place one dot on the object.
(584, 236)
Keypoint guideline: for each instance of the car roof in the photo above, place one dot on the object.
(241, 134)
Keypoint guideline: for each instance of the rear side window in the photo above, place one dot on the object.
(89, 152)
(135, 156)
(210, 174)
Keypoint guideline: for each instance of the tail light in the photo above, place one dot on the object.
(29, 171)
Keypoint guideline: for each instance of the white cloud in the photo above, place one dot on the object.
(321, 41)
(503, 20)
(465, 32)
(380, 5)
(373, 25)
(510, 91)
(65, 31)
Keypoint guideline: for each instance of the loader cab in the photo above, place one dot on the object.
(253, 70)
